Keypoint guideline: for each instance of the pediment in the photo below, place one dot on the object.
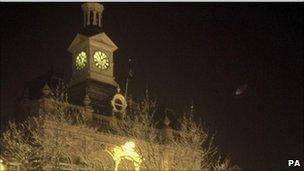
(77, 40)
(103, 40)
(99, 40)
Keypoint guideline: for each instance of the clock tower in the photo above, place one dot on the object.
(93, 63)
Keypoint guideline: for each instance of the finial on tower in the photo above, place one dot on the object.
(166, 121)
(192, 108)
(92, 14)
(46, 90)
(118, 89)
(86, 100)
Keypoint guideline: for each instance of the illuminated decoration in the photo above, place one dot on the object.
(241, 90)
(126, 152)
(2, 167)
(101, 60)
(81, 60)
(119, 103)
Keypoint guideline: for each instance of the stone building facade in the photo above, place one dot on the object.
(97, 140)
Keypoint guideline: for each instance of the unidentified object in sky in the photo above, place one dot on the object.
(241, 90)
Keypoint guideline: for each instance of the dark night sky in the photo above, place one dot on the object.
(184, 52)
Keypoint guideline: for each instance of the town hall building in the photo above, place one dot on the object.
(93, 95)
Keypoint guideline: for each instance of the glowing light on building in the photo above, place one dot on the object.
(126, 152)
(2, 167)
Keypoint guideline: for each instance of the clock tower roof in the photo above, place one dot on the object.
(99, 40)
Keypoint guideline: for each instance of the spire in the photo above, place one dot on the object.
(167, 130)
(118, 89)
(166, 121)
(192, 107)
(86, 100)
(46, 90)
(88, 110)
(92, 14)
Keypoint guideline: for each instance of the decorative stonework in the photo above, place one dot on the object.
(92, 13)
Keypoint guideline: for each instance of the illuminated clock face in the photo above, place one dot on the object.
(81, 60)
(101, 60)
